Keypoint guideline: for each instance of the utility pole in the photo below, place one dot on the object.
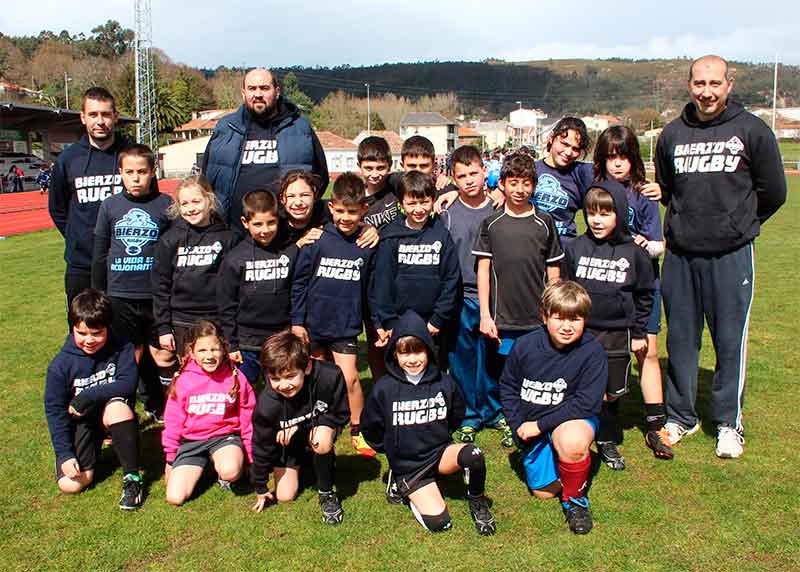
(369, 114)
(67, 79)
(775, 94)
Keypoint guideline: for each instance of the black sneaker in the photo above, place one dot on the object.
(393, 495)
(479, 509)
(576, 511)
(332, 512)
(611, 455)
(131, 497)
(658, 441)
(154, 416)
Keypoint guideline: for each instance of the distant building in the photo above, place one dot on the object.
(470, 136)
(495, 133)
(176, 160)
(392, 138)
(600, 122)
(526, 126)
(441, 131)
(340, 153)
(202, 123)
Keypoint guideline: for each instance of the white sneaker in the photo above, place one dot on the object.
(729, 443)
(677, 431)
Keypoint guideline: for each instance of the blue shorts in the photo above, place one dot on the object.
(654, 322)
(540, 461)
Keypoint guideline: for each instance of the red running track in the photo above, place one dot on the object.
(27, 212)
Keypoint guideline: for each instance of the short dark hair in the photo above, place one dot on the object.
(294, 175)
(417, 145)
(98, 93)
(466, 155)
(519, 165)
(138, 150)
(92, 307)
(567, 299)
(409, 345)
(416, 184)
(284, 352)
(349, 190)
(597, 200)
(374, 148)
(567, 124)
(259, 201)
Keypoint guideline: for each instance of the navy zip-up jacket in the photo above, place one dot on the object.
(185, 273)
(416, 270)
(83, 177)
(549, 385)
(412, 424)
(330, 282)
(86, 382)
(617, 273)
(253, 293)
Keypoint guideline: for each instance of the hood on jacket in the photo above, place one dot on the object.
(216, 225)
(616, 189)
(120, 142)
(398, 228)
(411, 324)
(219, 374)
(689, 114)
(286, 110)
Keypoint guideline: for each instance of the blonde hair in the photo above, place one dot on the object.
(198, 182)
(567, 299)
(201, 329)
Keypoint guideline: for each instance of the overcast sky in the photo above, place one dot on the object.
(203, 33)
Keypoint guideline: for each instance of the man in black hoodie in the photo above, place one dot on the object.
(257, 144)
(721, 176)
(84, 176)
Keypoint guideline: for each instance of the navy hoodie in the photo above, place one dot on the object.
(416, 270)
(86, 382)
(412, 424)
(321, 401)
(185, 273)
(616, 272)
(549, 385)
(721, 179)
(330, 281)
(253, 293)
(83, 177)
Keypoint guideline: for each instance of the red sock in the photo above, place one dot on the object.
(574, 477)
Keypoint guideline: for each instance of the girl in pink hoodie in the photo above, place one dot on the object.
(208, 415)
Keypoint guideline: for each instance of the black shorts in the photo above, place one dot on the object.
(133, 321)
(299, 451)
(198, 453)
(411, 482)
(347, 346)
(617, 344)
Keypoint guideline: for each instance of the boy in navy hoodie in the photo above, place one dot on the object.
(619, 277)
(410, 416)
(416, 267)
(254, 283)
(89, 391)
(551, 389)
(328, 288)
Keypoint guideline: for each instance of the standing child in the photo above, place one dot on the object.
(551, 388)
(303, 405)
(410, 415)
(185, 267)
(43, 179)
(329, 285)
(254, 284)
(208, 415)
(618, 275)
(468, 356)
(617, 156)
(90, 388)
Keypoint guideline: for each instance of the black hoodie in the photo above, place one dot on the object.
(721, 180)
(616, 272)
(185, 273)
(321, 401)
(412, 423)
(83, 177)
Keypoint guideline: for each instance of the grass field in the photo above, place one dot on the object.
(694, 513)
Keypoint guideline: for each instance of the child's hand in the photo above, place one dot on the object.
(236, 357)
(640, 240)
(167, 342)
(70, 468)
(74, 412)
(285, 435)
(528, 430)
(383, 337)
(442, 181)
(167, 472)
(432, 329)
(309, 237)
(651, 190)
(368, 237)
(498, 198)
(489, 329)
(444, 201)
(639, 347)
(301, 333)
(262, 500)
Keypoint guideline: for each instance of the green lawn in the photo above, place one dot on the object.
(694, 513)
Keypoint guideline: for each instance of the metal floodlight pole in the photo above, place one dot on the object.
(147, 128)
(369, 114)
(775, 94)
(66, 90)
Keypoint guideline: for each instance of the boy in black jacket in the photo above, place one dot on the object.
(90, 388)
(618, 275)
(303, 405)
(328, 290)
(416, 267)
(551, 389)
(254, 284)
(410, 416)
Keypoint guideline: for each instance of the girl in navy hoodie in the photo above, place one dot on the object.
(410, 416)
